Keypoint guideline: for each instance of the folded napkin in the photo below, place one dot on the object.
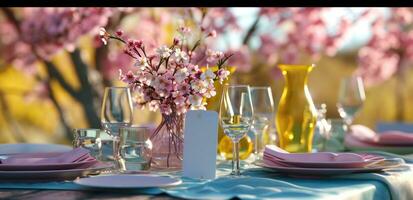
(272, 151)
(387, 138)
(73, 156)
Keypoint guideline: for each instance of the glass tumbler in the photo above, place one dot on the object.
(135, 149)
(90, 140)
(335, 136)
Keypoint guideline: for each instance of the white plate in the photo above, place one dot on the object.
(391, 163)
(53, 175)
(128, 181)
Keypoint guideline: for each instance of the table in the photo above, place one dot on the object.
(256, 183)
(268, 184)
(62, 195)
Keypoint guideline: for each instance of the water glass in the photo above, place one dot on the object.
(321, 130)
(335, 137)
(235, 116)
(263, 106)
(351, 97)
(88, 139)
(134, 149)
(107, 147)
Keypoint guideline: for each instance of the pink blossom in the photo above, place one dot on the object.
(153, 105)
(166, 108)
(181, 75)
(208, 75)
(119, 33)
(210, 91)
(213, 56)
(129, 77)
(222, 74)
(200, 86)
(184, 88)
(179, 56)
(164, 51)
(180, 100)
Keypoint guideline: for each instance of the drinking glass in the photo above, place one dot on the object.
(89, 139)
(235, 116)
(116, 112)
(263, 105)
(334, 139)
(322, 129)
(351, 98)
(135, 149)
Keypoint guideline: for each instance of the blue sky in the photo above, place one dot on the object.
(357, 36)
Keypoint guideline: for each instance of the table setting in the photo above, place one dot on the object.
(246, 148)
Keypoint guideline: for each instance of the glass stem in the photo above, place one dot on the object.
(116, 152)
(235, 160)
(258, 142)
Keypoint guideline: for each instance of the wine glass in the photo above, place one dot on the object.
(351, 98)
(116, 112)
(235, 116)
(263, 105)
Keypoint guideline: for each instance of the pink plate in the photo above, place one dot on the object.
(128, 181)
(321, 164)
(53, 175)
(44, 166)
(328, 171)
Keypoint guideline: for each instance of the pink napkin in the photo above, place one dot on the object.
(363, 136)
(272, 151)
(74, 156)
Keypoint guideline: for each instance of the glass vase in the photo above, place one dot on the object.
(167, 141)
(296, 114)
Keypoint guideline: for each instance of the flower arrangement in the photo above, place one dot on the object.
(168, 78)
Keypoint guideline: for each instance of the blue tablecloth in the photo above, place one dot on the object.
(257, 183)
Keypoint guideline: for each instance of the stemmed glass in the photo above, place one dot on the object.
(351, 98)
(263, 105)
(116, 112)
(235, 116)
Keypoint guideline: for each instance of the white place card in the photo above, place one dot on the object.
(200, 144)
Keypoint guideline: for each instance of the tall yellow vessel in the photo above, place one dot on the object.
(296, 114)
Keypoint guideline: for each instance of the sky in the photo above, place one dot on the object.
(358, 35)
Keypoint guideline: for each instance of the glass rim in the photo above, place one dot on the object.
(134, 127)
(242, 85)
(116, 87)
(260, 87)
(86, 129)
(336, 119)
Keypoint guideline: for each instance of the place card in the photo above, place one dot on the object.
(200, 144)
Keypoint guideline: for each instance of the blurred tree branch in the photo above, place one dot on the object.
(85, 94)
(251, 30)
(55, 74)
(66, 127)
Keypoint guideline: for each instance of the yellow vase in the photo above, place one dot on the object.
(296, 114)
